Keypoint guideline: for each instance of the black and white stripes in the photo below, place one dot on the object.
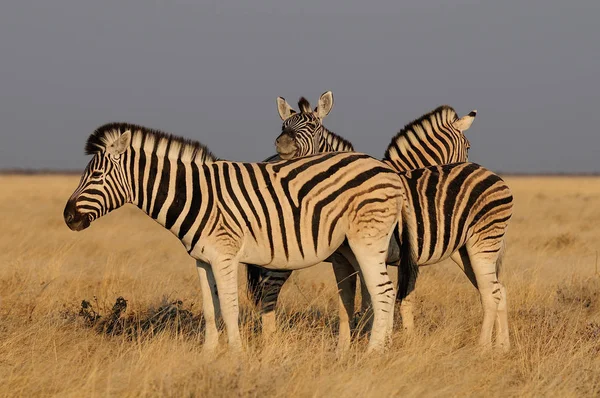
(459, 210)
(435, 138)
(303, 133)
(282, 215)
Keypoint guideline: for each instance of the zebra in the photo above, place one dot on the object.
(303, 133)
(282, 215)
(330, 142)
(435, 137)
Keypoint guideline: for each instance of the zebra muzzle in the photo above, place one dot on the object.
(75, 220)
(286, 146)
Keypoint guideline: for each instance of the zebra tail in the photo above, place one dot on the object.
(408, 269)
(253, 276)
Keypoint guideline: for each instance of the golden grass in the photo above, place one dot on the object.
(551, 272)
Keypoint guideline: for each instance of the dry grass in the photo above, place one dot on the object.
(551, 272)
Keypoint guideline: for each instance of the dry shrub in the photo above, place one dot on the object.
(172, 317)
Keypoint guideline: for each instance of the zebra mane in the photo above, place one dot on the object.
(105, 135)
(441, 115)
(336, 141)
(304, 105)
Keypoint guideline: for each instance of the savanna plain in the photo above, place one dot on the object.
(150, 345)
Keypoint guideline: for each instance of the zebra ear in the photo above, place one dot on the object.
(121, 144)
(325, 104)
(465, 122)
(284, 109)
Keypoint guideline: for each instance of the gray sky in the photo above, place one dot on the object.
(212, 71)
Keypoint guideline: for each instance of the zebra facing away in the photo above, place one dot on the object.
(460, 210)
(287, 214)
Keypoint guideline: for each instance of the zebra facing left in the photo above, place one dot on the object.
(282, 215)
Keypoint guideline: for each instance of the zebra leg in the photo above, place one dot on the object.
(462, 259)
(271, 285)
(226, 276)
(366, 307)
(345, 276)
(407, 304)
(365, 310)
(483, 263)
(371, 258)
(502, 335)
(210, 306)
(365, 317)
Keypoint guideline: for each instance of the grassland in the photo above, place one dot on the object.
(551, 271)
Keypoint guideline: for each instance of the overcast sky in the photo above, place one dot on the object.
(212, 71)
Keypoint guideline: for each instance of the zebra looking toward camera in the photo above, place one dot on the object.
(282, 215)
(303, 133)
(443, 200)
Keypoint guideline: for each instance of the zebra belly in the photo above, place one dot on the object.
(440, 253)
(424, 258)
(260, 255)
(281, 262)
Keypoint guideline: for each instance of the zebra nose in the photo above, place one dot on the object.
(284, 140)
(69, 217)
(69, 213)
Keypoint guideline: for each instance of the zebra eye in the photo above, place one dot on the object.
(96, 174)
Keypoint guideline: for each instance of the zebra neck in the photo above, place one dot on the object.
(428, 141)
(331, 142)
(413, 153)
(171, 189)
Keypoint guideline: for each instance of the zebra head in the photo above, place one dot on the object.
(301, 131)
(104, 185)
(460, 126)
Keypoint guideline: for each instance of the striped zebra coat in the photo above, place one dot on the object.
(460, 210)
(282, 215)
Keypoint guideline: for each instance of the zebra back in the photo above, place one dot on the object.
(434, 138)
